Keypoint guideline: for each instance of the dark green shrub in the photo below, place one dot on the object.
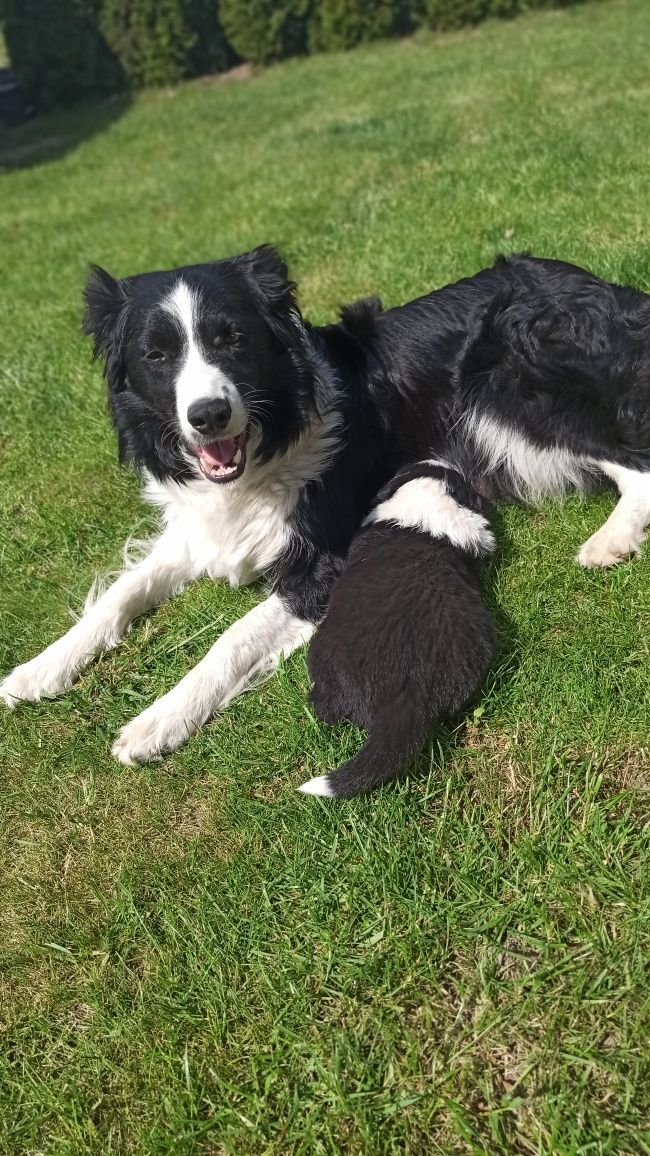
(66, 50)
(446, 14)
(507, 8)
(525, 5)
(152, 39)
(340, 24)
(58, 51)
(163, 41)
(266, 30)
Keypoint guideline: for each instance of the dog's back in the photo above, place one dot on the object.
(407, 638)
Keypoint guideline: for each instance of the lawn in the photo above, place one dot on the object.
(194, 957)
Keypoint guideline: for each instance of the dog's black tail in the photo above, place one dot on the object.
(399, 729)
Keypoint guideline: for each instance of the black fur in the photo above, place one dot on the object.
(251, 295)
(542, 348)
(539, 345)
(565, 357)
(406, 640)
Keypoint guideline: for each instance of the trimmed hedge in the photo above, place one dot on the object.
(160, 42)
(342, 24)
(442, 15)
(264, 31)
(151, 39)
(447, 14)
(65, 50)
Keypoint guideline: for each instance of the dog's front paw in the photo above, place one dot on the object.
(151, 734)
(608, 547)
(33, 681)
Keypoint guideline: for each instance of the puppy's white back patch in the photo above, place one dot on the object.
(424, 504)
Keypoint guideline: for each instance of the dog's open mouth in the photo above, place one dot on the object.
(223, 460)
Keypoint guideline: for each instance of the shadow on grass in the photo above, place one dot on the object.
(54, 134)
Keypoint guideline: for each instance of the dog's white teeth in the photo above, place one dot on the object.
(237, 458)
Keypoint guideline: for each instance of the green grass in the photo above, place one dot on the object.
(194, 958)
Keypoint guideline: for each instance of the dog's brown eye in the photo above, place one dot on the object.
(229, 337)
(155, 355)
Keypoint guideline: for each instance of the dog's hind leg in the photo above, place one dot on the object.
(623, 534)
(163, 570)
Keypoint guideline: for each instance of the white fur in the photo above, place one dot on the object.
(424, 504)
(623, 533)
(236, 532)
(198, 379)
(165, 569)
(248, 651)
(533, 473)
(317, 786)
(443, 465)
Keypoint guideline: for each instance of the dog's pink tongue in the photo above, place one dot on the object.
(218, 453)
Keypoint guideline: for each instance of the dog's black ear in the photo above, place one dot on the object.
(484, 351)
(267, 277)
(103, 320)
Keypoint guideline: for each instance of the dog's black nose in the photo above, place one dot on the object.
(209, 414)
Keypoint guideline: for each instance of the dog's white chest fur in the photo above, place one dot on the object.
(239, 531)
(236, 535)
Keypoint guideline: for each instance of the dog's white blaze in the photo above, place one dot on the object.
(623, 534)
(197, 378)
(424, 504)
(247, 653)
(317, 786)
(532, 473)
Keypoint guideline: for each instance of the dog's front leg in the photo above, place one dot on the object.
(159, 574)
(249, 650)
(623, 533)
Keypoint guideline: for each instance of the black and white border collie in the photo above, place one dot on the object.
(263, 439)
(406, 639)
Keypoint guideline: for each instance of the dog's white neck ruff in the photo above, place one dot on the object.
(238, 531)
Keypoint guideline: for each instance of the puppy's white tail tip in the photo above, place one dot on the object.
(317, 786)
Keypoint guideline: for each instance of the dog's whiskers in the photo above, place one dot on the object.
(169, 436)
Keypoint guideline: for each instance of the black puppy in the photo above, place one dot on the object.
(407, 638)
